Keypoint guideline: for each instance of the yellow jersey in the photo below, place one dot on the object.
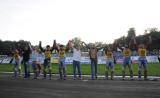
(142, 52)
(109, 55)
(61, 53)
(126, 52)
(47, 54)
(16, 56)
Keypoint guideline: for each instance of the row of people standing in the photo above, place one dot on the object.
(61, 51)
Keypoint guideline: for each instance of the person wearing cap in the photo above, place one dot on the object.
(127, 62)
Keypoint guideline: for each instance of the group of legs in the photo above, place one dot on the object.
(76, 65)
(109, 69)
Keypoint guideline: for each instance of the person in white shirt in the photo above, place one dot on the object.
(76, 61)
(40, 62)
(34, 57)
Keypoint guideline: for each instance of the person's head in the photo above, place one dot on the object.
(142, 46)
(36, 48)
(48, 47)
(77, 47)
(93, 46)
(39, 51)
(126, 47)
(16, 51)
(25, 48)
(109, 49)
(61, 47)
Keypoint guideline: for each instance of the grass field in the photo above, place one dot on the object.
(153, 69)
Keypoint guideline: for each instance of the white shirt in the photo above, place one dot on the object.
(76, 54)
(41, 58)
(34, 56)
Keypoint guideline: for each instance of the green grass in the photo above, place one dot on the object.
(153, 69)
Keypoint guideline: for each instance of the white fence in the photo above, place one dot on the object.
(84, 60)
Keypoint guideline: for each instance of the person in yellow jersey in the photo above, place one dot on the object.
(142, 61)
(16, 63)
(61, 51)
(127, 62)
(47, 60)
(109, 63)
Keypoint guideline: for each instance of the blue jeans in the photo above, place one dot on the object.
(110, 64)
(62, 67)
(26, 68)
(62, 63)
(126, 61)
(47, 64)
(16, 67)
(142, 62)
(76, 64)
(93, 68)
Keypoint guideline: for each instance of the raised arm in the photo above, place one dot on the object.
(101, 47)
(30, 47)
(148, 44)
(133, 43)
(68, 46)
(54, 45)
(87, 46)
(40, 46)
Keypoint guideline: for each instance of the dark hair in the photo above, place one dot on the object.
(47, 46)
(61, 46)
(126, 46)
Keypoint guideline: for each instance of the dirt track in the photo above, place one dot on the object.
(30, 88)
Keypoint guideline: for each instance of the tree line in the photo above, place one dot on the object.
(6, 47)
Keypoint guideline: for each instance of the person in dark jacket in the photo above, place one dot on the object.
(26, 56)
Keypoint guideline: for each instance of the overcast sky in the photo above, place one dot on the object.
(91, 20)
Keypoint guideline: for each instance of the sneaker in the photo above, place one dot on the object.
(64, 78)
(106, 78)
(131, 78)
(20, 75)
(140, 79)
(44, 78)
(92, 79)
(96, 77)
(25, 77)
(80, 78)
(146, 79)
(59, 78)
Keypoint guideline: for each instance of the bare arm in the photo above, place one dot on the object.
(68, 46)
(40, 46)
(86, 45)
